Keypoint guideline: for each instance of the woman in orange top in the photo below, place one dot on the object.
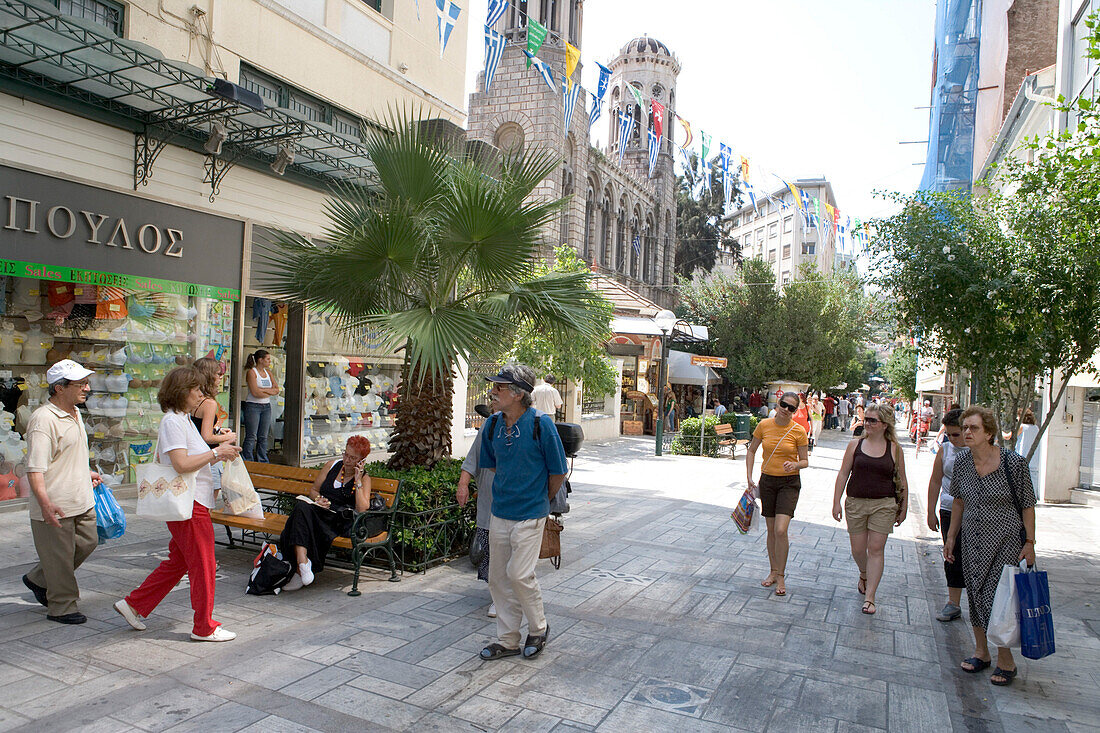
(785, 453)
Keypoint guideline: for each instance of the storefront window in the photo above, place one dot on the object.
(351, 388)
(130, 337)
(265, 327)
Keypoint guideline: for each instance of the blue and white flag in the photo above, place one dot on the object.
(570, 96)
(653, 148)
(544, 69)
(496, 9)
(626, 126)
(724, 153)
(687, 158)
(597, 98)
(494, 50)
(637, 245)
(727, 189)
(808, 214)
(447, 12)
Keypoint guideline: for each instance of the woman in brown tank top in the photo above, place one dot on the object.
(867, 474)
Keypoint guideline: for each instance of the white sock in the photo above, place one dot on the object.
(305, 569)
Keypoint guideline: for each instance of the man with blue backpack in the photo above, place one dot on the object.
(524, 448)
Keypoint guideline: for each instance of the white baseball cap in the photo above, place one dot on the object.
(66, 369)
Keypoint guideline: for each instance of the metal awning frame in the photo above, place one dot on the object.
(162, 116)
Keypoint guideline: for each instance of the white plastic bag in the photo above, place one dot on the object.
(238, 494)
(1004, 620)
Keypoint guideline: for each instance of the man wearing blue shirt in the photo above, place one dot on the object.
(524, 448)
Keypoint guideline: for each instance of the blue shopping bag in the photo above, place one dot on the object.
(110, 522)
(1036, 622)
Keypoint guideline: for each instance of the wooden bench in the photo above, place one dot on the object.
(727, 438)
(272, 480)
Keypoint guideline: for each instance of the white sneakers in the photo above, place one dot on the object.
(124, 610)
(492, 610)
(305, 569)
(220, 634)
(127, 613)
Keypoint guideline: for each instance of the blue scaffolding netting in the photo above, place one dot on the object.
(950, 161)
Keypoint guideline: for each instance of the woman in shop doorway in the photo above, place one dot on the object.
(209, 415)
(872, 508)
(256, 408)
(785, 453)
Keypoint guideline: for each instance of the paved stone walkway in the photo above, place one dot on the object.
(657, 616)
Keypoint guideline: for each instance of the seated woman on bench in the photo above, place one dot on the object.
(340, 491)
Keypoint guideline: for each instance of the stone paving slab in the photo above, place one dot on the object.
(658, 619)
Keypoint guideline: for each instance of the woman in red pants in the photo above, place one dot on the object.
(191, 550)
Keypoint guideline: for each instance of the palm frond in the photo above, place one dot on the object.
(558, 302)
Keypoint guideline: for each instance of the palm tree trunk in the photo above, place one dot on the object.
(422, 424)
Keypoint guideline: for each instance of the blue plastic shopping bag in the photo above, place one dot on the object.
(110, 522)
(1036, 622)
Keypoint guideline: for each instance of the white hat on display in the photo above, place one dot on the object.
(66, 369)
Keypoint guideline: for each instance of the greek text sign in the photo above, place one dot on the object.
(70, 226)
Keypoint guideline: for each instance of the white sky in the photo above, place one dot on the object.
(802, 88)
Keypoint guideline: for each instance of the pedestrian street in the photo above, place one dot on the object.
(658, 623)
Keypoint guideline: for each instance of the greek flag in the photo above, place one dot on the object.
(626, 126)
(544, 69)
(597, 98)
(807, 212)
(570, 96)
(494, 50)
(653, 148)
(637, 244)
(496, 9)
(727, 189)
(447, 12)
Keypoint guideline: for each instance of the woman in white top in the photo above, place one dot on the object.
(1029, 431)
(256, 408)
(191, 550)
(940, 497)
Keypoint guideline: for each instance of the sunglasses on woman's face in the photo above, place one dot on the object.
(871, 421)
(788, 406)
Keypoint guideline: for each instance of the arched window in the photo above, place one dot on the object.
(573, 21)
(665, 269)
(620, 239)
(566, 190)
(669, 114)
(589, 234)
(647, 250)
(636, 133)
(519, 14)
(605, 231)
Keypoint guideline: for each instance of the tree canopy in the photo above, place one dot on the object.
(812, 330)
(699, 229)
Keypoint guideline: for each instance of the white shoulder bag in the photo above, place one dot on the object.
(163, 494)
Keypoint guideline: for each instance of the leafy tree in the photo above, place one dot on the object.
(900, 371)
(699, 229)
(572, 355)
(436, 258)
(812, 331)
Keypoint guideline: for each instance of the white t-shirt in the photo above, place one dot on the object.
(546, 398)
(948, 451)
(178, 431)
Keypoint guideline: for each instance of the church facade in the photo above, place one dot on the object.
(620, 219)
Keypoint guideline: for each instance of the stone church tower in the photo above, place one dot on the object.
(611, 206)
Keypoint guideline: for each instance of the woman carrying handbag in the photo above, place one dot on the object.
(873, 474)
(785, 447)
(191, 550)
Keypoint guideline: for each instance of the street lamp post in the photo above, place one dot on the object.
(666, 321)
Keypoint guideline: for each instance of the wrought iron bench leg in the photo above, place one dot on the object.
(393, 566)
(358, 555)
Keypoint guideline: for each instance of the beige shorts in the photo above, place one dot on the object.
(876, 515)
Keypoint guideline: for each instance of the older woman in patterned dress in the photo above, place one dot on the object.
(994, 508)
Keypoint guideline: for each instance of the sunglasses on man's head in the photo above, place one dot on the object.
(788, 406)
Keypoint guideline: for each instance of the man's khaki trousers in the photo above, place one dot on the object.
(60, 553)
(513, 552)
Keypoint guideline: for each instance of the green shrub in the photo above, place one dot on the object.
(687, 442)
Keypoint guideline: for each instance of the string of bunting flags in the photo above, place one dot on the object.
(820, 215)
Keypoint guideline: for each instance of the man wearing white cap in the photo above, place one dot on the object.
(62, 506)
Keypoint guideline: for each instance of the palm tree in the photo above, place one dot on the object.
(437, 259)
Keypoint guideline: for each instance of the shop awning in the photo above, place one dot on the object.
(682, 371)
(682, 333)
(63, 56)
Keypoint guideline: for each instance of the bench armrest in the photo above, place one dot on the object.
(358, 531)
